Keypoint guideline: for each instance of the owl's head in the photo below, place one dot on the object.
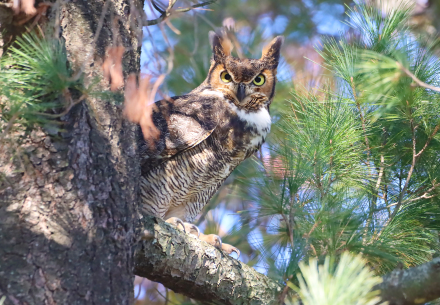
(247, 83)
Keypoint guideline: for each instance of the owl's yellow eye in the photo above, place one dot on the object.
(259, 80)
(225, 77)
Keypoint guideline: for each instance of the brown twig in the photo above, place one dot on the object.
(289, 228)
(167, 13)
(167, 300)
(414, 160)
(415, 79)
(283, 294)
(364, 127)
(66, 111)
(186, 9)
(429, 140)
(374, 199)
(425, 195)
(413, 164)
(9, 126)
(408, 178)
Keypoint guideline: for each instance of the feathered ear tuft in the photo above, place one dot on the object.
(271, 52)
(221, 45)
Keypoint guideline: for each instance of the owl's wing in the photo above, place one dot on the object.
(182, 122)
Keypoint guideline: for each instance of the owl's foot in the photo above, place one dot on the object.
(192, 229)
(211, 239)
(216, 241)
(184, 226)
(176, 222)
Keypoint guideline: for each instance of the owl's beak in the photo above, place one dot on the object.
(241, 92)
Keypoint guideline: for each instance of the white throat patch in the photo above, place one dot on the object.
(259, 119)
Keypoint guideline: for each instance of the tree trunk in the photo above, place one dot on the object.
(68, 206)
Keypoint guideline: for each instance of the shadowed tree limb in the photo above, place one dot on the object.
(416, 285)
(196, 269)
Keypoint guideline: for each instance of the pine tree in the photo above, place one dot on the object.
(353, 164)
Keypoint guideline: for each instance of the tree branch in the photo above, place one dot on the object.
(186, 9)
(196, 269)
(429, 140)
(416, 285)
(415, 79)
(167, 13)
(425, 195)
(364, 128)
(408, 178)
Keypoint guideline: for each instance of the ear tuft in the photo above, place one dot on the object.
(271, 52)
(221, 45)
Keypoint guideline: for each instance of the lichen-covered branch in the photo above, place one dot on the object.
(196, 269)
(416, 285)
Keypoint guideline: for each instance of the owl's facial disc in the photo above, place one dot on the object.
(244, 83)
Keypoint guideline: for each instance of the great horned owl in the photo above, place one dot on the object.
(207, 133)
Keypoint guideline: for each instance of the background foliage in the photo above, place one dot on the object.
(351, 162)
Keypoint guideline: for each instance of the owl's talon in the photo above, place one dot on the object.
(197, 229)
(219, 240)
(190, 227)
(229, 249)
(175, 221)
(233, 249)
(212, 239)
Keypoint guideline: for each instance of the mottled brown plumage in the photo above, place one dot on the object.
(205, 134)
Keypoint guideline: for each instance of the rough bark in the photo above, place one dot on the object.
(68, 205)
(190, 266)
(196, 269)
(416, 285)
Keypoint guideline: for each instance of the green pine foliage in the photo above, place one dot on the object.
(35, 82)
(353, 167)
(350, 282)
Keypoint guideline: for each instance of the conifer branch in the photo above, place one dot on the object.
(367, 144)
(414, 160)
(425, 195)
(358, 104)
(374, 199)
(408, 178)
(429, 140)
